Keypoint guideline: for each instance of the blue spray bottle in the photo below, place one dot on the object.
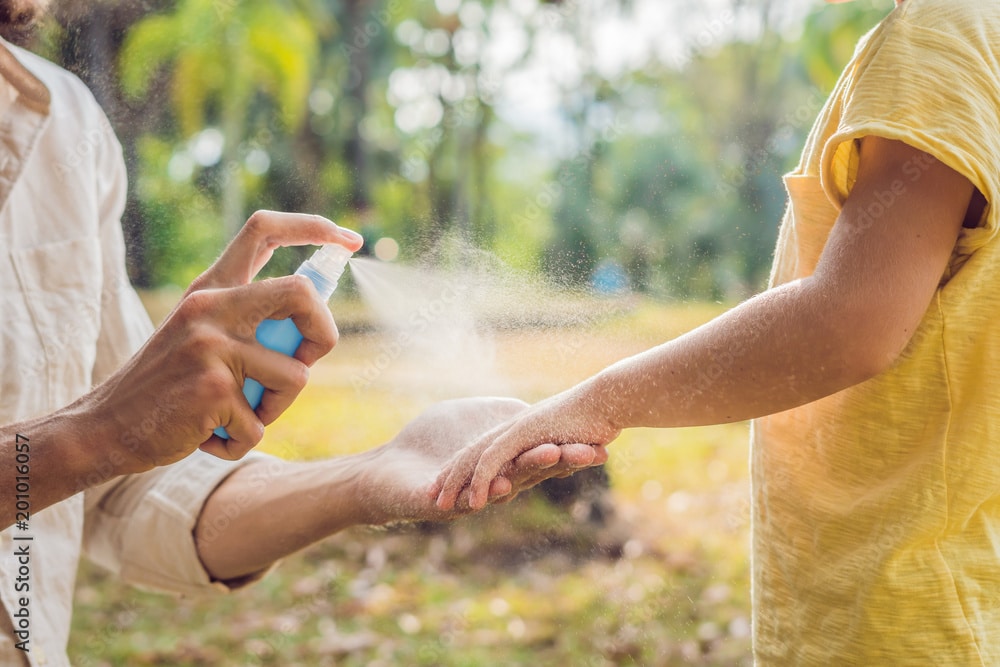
(324, 269)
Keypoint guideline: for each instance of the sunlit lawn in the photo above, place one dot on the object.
(664, 582)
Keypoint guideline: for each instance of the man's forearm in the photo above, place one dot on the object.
(272, 508)
(49, 459)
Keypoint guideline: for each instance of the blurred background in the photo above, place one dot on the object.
(560, 135)
(615, 158)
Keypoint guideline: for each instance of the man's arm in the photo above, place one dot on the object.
(271, 508)
(786, 347)
(186, 380)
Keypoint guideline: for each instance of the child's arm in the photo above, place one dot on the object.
(783, 348)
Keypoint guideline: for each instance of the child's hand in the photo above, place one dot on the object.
(560, 420)
(396, 476)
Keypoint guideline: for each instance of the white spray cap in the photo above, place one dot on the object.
(325, 267)
(330, 260)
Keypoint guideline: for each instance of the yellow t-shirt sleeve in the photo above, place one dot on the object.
(926, 78)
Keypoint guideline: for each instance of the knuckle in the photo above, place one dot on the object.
(265, 295)
(197, 304)
(329, 337)
(203, 342)
(260, 226)
(214, 387)
(256, 222)
(298, 376)
(300, 287)
(200, 283)
(255, 433)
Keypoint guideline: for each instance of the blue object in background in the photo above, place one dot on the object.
(609, 278)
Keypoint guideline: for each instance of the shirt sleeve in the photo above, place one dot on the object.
(141, 527)
(928, 77)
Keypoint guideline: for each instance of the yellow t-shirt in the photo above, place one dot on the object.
(876, 511)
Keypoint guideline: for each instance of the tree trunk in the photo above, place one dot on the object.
(90, 50)
(233, 192)
(359, 73)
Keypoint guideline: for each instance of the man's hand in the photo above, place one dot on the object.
(188, 378)
(403, 471)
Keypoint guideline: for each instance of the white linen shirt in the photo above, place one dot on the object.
(70, 319)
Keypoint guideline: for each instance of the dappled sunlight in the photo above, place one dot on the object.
(544, 188)
(665, 583)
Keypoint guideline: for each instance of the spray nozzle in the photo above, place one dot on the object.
(331, 260)
(325, 267)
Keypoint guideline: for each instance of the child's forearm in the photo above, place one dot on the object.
(848, 321)
(784, 348)
(845, 323)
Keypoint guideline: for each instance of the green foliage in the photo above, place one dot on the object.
(222, 52)
(395, 118)
(182, 232)
(829, 37)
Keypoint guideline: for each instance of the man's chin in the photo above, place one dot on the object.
(21, 13)
(19, 17)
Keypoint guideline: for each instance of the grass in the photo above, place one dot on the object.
(664, 582)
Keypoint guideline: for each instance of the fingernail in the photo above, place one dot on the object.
(353, 234)
(352, 241)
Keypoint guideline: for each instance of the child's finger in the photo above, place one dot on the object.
(438, 486)
(488, 467)
(454, 478)
(556, 461)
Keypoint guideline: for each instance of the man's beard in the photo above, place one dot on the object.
(21, 13)
(18, 17)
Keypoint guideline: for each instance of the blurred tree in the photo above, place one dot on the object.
(88, 45)
(494, 120)
(223, 54)
(359, 50)
(829, 37)
(584, 224)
